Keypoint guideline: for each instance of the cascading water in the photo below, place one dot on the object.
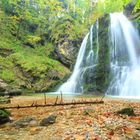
(92, 68)
(85, 61)
(125, 63)
(70, 85)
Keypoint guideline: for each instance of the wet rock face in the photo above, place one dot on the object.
(128, 11)
(66, 52)
(96, 79)
(129, 8)
(5, 89)
(102, 70)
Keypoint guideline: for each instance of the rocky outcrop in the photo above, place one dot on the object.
(96, 77)
(5, 89)
(129, 11)
(66, 52)
(103, 67)
(34, 81)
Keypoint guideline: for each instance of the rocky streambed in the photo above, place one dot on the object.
(76, 122)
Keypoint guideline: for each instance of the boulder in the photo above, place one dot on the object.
(126, 111)
(27, 121)
(47, 121)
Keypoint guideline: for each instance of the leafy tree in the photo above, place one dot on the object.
(58, 20)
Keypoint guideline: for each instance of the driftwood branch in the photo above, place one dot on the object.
(56, 103)
(35, 105)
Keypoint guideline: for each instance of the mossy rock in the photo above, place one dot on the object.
(47, 121)
(4, 116)
(4, 100)
(126, 111)
(27, 121)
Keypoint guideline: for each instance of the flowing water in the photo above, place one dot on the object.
(86, 60)
(125, 63)
(124, 60)
(70, 85)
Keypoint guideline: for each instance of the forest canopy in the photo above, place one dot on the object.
(59, 20)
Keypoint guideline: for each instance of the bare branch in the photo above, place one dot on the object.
(55, 104)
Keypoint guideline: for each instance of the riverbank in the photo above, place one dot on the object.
(81, 122)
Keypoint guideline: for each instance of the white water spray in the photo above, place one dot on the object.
(85, 62)
(124, 60)
(70, 85)
(125, 63)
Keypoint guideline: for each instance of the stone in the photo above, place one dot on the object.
(126, 111)
(47, 121)
(27, 121)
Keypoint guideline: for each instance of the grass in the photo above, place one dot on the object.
(36, 62)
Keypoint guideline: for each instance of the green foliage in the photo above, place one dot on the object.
(33, 40)
(7, 75)
(4, 100)
(110, 6)
(4, 113)
(43, 24)
(137, 6)
(60, 20)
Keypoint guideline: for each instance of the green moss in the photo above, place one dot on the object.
(4, 100)
(7, 75)
(33, 40)
(103, 67)
(26, 67)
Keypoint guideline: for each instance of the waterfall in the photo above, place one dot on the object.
(86, 60)
(124, 58)
(70, 85)
(123, 74)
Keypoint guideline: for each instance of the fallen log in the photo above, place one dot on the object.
(35, 105)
